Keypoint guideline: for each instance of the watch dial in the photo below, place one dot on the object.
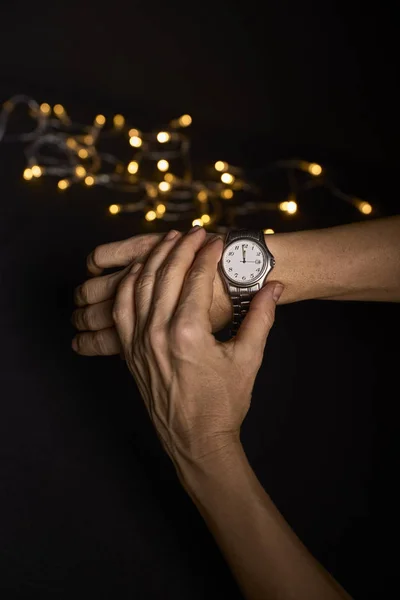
(243, 261)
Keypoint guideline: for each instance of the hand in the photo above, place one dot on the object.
(197, 390)
(96, 296)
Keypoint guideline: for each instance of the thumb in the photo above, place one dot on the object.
(254, 330)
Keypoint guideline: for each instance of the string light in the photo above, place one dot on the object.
(220, 165)
(111, 171)
(227, 178)
(314, 169)
(119, 121)
(197, 222)
(45, 108)
(80, 171)
(202, 196)
(58, 110)
(163, 137)
(135, 141)
(36, 171)
(164, 186)
(133, 167)
(63, 184)
(365, 208)
(269, 231)
(100, 120)
(163, 165)
(185, 120)
(150, 215)
(83, 153)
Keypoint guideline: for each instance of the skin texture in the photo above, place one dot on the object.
(197, 392)
(359, 261)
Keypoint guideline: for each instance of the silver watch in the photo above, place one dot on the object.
(244, 267)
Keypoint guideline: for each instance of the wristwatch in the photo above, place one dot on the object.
(244, 266)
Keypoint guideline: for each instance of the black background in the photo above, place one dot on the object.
(89, 502)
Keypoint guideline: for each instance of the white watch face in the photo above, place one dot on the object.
(243, 261)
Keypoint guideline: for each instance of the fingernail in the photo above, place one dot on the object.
(74, 345)
(278, 289)
(195, 228)
(171, 234)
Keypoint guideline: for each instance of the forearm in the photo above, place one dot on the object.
(359, 261)
(266, 558)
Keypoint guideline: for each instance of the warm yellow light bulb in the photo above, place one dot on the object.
(291, 207)
(28, 174)
(220, 165)
(205, 218)
(100, 120)
(135, 141)
(114, 209)
(314, 169)
(227, 194)
(45, 108)
(150, 215)
(133, 167)
(80, 171)
(58, 109)
(227, 178)
(283, 206)
(163, 137)
(365, 208)
(164, 186)
(36, 171)
(133, 132)
(161, 209)
(197, 222)
(169, 177)
(202, 196)
(71, 143)
(163, 165)
(269, 231)
(83, 153)
(119, 121)
(185, 120)
(63, 184)
(89, 180)
(88, 139)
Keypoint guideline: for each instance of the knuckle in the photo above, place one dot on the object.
(118, 313)
(184, 333)
(167, 271)
(83, 294)
(144, 280)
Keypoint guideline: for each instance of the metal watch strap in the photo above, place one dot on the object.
(241, 297)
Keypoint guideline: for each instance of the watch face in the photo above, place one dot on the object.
(244, 261)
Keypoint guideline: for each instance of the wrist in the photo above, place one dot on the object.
(212, 467)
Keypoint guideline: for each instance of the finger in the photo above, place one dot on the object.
(99, 289)
(147, 280)
(97, 343)
(94, 317)
(171, 275)
(124, 313)
(251, 338)
(120, 254)
(197, 292)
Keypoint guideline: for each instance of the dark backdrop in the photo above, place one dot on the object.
(89, 502)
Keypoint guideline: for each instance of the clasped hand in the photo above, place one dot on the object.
(196, 389)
